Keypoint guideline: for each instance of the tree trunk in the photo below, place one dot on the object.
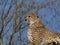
(0, 42)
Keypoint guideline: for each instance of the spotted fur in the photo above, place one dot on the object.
(37, 32)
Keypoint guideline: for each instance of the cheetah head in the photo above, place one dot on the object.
(31, 18)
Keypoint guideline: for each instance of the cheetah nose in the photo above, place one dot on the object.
(25, 19)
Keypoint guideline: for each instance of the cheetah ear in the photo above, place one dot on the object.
(37, 16)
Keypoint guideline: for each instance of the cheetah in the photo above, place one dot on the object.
(37, 31)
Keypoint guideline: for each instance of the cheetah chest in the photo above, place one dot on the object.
(29, 35)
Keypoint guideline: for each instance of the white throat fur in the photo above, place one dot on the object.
(32, 22)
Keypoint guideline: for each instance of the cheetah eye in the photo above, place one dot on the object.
(37, 16)
(29, 16)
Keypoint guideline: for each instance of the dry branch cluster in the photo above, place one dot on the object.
(14, 15)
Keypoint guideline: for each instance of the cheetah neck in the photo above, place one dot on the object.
(35, 24)
(32, 22)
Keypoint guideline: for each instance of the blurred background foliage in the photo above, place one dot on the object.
(13, 29)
